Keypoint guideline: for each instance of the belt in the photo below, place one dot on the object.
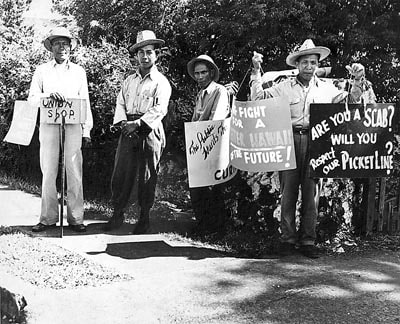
(133, 117)
(300, 130)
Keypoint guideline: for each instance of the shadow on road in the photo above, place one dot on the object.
(148, 249)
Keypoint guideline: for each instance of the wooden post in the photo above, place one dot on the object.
(369, 223)
(382, 215)
(62, 143)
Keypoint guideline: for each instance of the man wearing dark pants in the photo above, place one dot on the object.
(301, 91)
(141, 105)
(212, 103)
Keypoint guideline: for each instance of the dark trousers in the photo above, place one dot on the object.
(137, 158)
(291, 180)
(209, 207)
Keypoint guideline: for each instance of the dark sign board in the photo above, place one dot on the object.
(352, 141)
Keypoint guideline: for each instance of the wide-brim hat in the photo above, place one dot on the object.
(307, 48)
(146, 37)
(59, 32)
(205, 59)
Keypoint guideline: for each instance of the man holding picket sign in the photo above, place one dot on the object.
(306, 88)
(212, 103)
(61, 80)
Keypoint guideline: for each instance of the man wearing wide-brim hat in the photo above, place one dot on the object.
(302, 90)
(212, 103)
(61, 79)
(141, 105)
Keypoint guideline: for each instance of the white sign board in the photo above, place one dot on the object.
(23, 124)
(207, 152)
(52, 111)
(262, 136)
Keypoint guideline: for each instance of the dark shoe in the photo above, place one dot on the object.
(141, 227)
(42, 227)
(310, 251)
(80, 228)
(287, 249)
(115, 222)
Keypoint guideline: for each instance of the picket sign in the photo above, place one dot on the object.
(73, 110)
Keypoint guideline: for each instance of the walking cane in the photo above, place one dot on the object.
(62, 142)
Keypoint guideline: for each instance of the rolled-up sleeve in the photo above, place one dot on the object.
(256, 89)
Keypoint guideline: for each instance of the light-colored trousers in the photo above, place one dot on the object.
(49, 137)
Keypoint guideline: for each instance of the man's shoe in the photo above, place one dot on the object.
(141, 227)
(42, 227)
(80, 228)
(287, 249)
(310, 251)
(115, 222)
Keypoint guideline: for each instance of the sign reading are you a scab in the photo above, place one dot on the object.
(72, 110)
(353, 141)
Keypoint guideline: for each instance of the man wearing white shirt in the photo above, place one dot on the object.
(212, 103)
(60, 79)
(141, 105)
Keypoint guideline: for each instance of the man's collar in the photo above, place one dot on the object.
(314, 81)
(151, 74)
(210, 87)
(65, 63)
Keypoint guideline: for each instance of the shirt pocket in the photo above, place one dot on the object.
(146, 102)
(296, 108)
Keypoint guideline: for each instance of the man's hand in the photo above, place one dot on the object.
(57, 96)
(257, 59)
(131, 128)
(232, 88)
(86, 142)
(357, 81)
(357, 71)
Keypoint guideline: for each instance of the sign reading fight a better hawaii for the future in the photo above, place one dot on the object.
(261, 136)
(353, 141)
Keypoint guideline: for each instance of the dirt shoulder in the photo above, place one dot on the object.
(156, 278)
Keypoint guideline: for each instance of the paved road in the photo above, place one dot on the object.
(180, 282)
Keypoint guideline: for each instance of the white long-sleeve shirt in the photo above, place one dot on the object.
(67, 78)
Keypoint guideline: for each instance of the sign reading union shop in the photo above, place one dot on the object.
(52, 112)
(353, 141)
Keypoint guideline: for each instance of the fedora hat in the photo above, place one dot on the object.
(205, 59)
(59, 32)
(307, 48)
(145, 37)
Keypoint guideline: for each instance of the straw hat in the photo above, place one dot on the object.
(307, 48)
(145, 37)
(59, 32)
(203, 58)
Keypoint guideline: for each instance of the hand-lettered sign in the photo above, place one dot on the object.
(207, 152)
(261, 136)
(352, 141)
(52, 111)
